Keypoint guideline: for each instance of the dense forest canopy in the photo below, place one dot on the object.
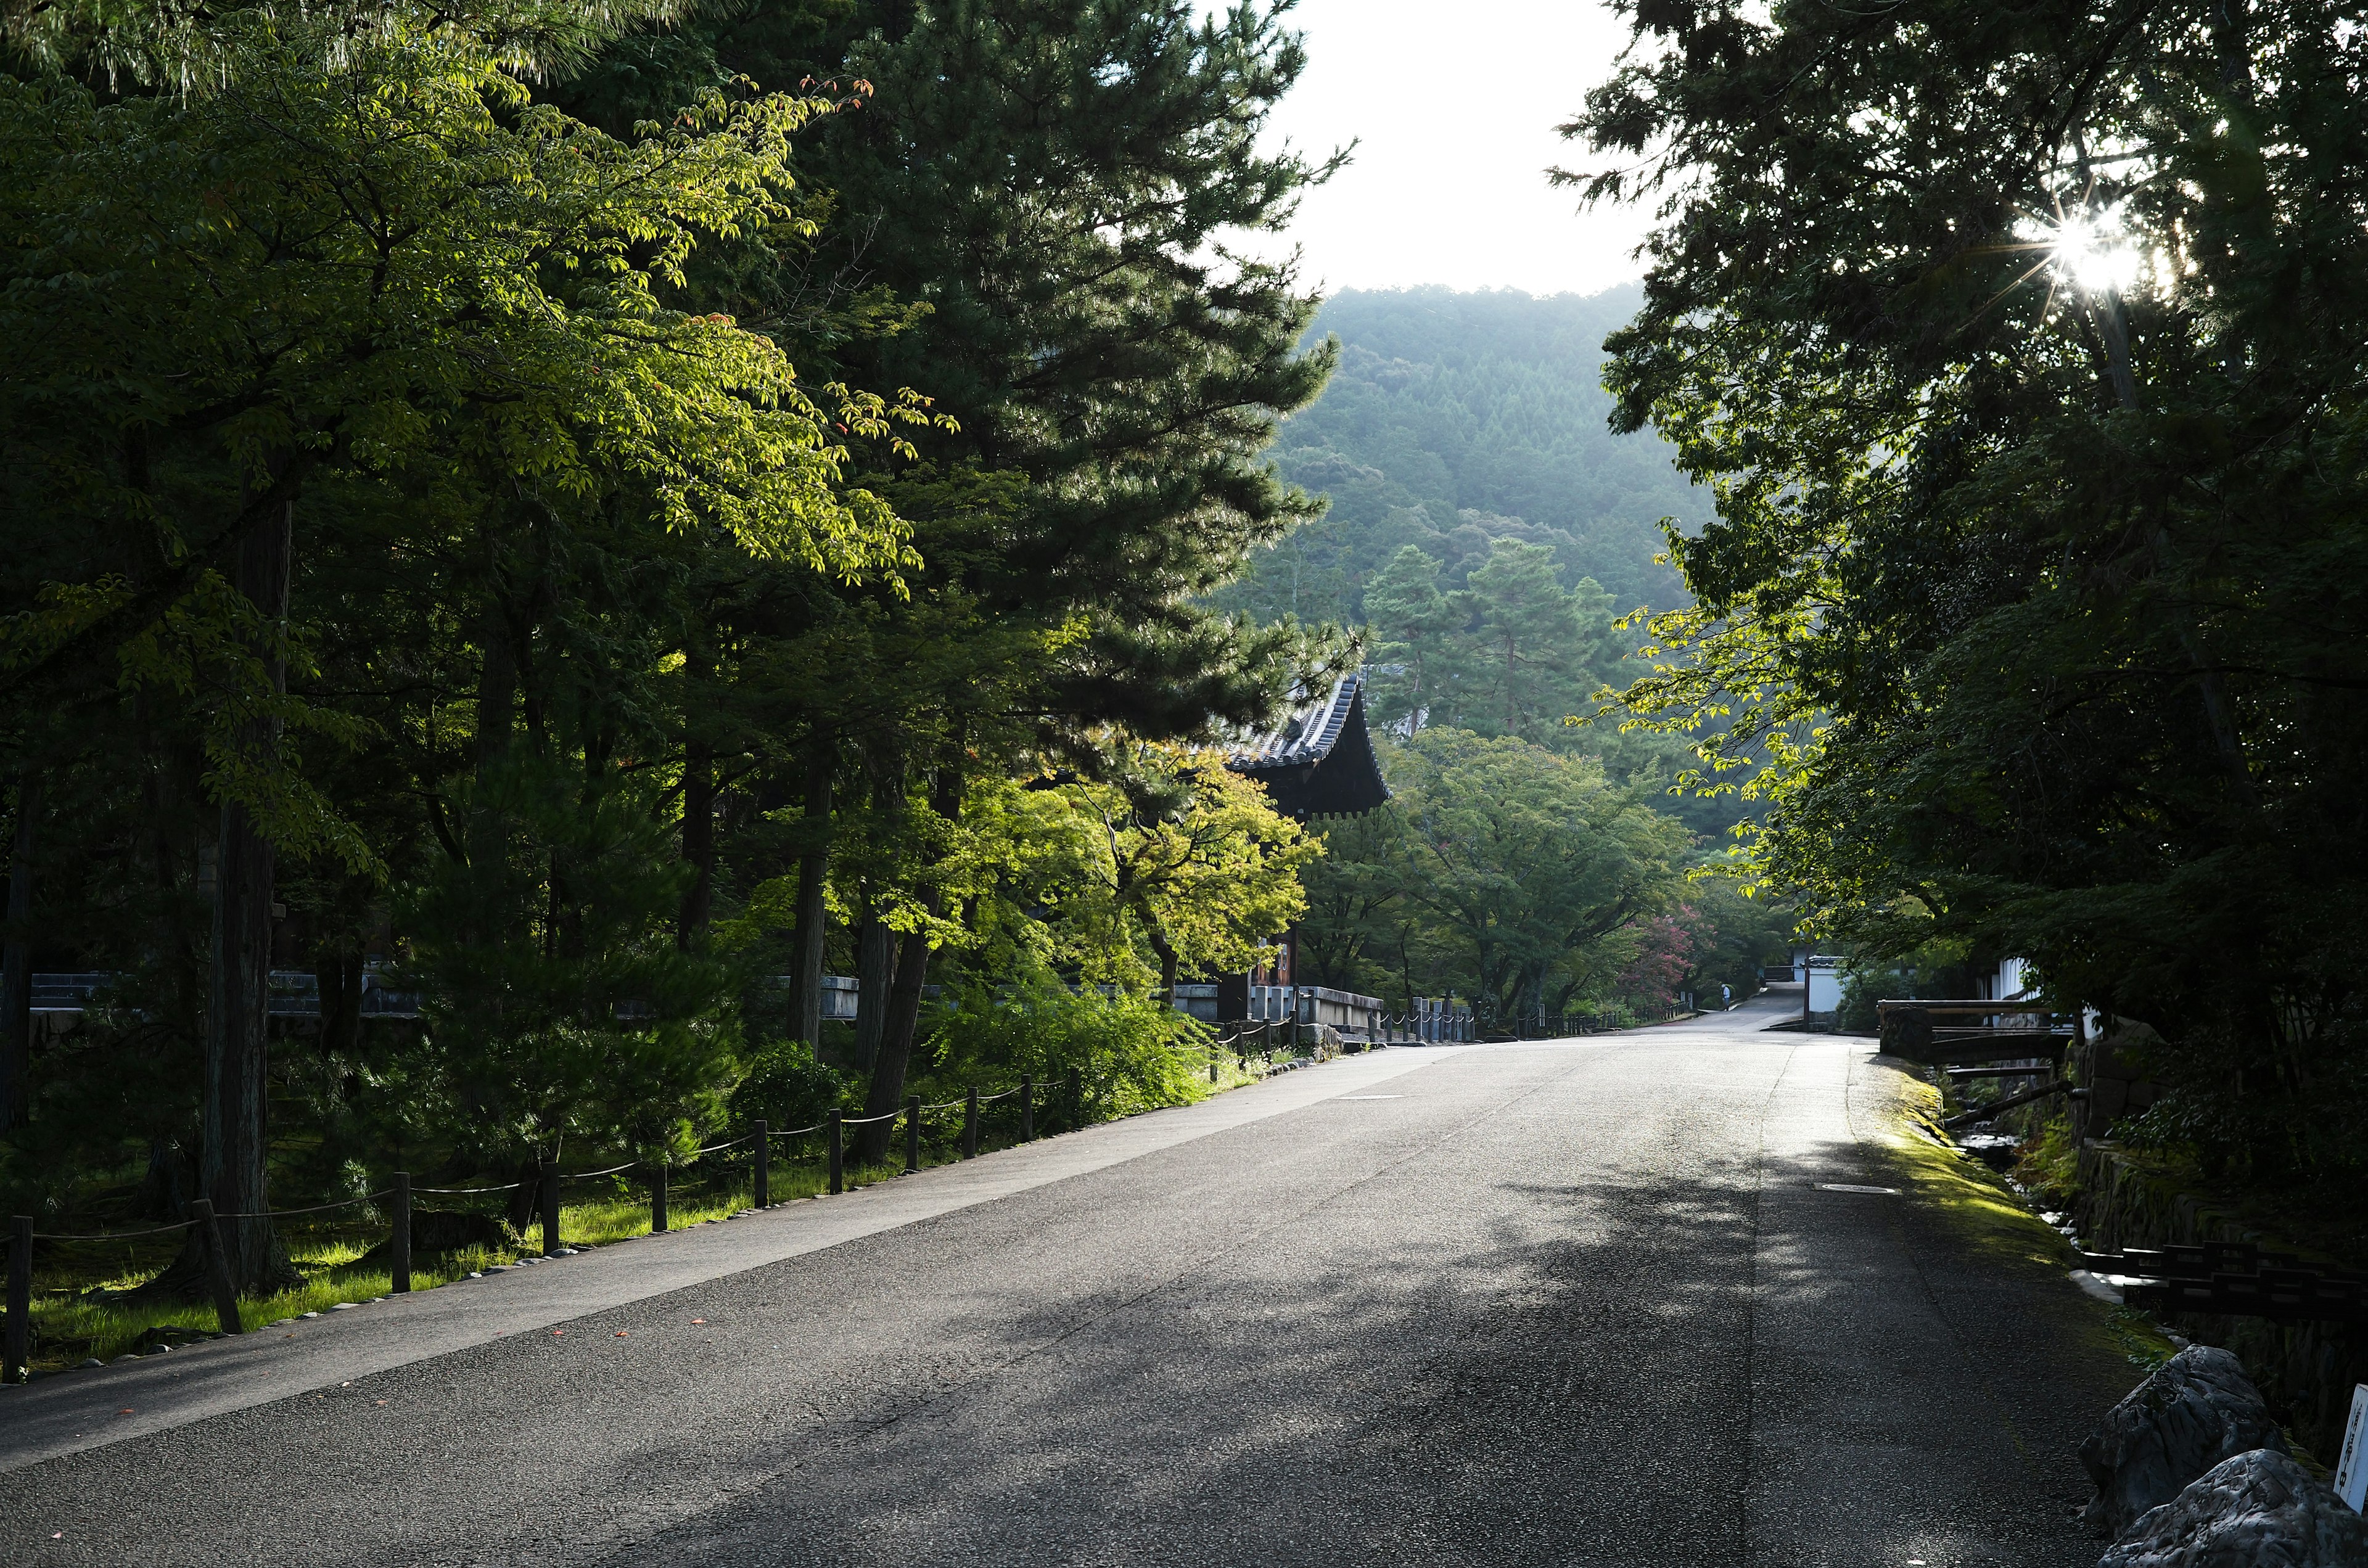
(596, 523)
(2027, 354)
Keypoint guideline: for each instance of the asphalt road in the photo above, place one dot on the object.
(1576, 1302)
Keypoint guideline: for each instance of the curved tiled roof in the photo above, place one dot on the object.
(1319, 760)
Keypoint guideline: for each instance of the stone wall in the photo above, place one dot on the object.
(2305, 1370)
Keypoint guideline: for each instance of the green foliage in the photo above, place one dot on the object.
(1732, 931)
(2032, 586)
(603, 560)
(1132, 1051)
(1080, 314)
(787, 1088)
(1518, 872)
(1937, 967)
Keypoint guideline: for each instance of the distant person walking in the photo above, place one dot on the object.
(1726, 995)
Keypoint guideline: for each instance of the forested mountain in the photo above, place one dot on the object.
(1456, 419)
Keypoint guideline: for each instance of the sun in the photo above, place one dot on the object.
(2090, 248)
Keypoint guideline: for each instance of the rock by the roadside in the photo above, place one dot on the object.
(2258, 1510)
(2197, 1410)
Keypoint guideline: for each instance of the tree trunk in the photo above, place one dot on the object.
(165, 1188)
(814, 874)
(875, 964)
(231, 1159)
(895, 1046)
(17, 965)
(487, 838)
(895, 1051)
(1167, 951)
(697, 842)
(526, 1197)
(339, 977)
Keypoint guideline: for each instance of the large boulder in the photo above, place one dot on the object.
(2257, 1510)
(2197, 1410)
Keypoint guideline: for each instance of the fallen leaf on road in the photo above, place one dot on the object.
(621, 1334)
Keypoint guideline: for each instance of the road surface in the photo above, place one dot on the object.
(1587, 1301)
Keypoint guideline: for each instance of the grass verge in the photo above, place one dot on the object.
(80, 1310)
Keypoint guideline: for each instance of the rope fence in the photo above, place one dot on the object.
(1067, 1105)
(110, 1235)
(16, 1334)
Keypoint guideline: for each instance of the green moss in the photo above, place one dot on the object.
(1987, 1212)
(2143, 1343)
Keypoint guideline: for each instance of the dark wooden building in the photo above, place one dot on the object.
(1319, 761)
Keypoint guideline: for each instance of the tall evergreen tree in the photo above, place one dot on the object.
(1051, 182)
(2025, 350)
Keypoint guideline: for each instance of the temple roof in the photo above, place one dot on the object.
(1318, 762)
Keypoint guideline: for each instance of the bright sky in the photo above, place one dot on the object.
(1455, 107)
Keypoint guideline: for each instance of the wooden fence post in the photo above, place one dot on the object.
(764, 1166)
(912, 1133)
(17, 1344)
(209, 1242)
(549, 1195)
(658, 1199)
(1028, 1107)
(970, 1124)
(837, 1150)
(398, 1244)
(1075, 1083)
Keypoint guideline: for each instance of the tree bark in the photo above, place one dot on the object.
(1167, 951)
(814, 873)
(17, 965)
(232, 1160)
(875, 966)
(895, 1050)
(339, 977)
(697, 842)
(486, 840)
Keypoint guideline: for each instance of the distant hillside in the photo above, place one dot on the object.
(1457, 419)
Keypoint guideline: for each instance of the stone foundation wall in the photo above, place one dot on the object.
(2305, 1370)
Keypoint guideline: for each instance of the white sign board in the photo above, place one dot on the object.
(2352, 1475)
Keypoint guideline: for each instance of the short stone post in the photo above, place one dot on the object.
(912, 1133)
(398, 1244)
(1028, 1107)
(17, 1342)
(658, 1199)
(209, 1242)
(970, 1124)
(764, 1166)
(549, 1195)
(837, 1150)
